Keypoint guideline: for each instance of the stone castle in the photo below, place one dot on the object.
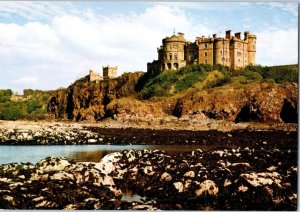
(109, 72)
(232, 51)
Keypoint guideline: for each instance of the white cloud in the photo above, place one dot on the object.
(31, 10)
(25, 81)
(66, 47)
(291, 7)
(277, 47)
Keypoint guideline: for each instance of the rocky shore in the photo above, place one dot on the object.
(261, 177)
(49, 133)
(244, 169)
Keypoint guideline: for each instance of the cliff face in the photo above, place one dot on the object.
(263, 102)
(88, 100)
(117, 98)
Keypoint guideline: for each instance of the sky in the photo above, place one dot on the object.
(48, 45)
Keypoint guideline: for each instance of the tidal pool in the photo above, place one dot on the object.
(80, 153)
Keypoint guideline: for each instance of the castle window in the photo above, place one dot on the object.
(175, 57)
(205, 54)
(253, 46)
(170, 57)
(239, 60)
(176, 66)
(221, 52)
(205, 61)
(239, 45)
(239, 54)
(205, 45)
(166, 57)
(175, 47)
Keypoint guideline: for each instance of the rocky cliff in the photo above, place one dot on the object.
(85, 100)
(117, 98)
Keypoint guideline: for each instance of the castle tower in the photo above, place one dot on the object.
(221, 51)
(109, 72)
(251, 48)
(172, 52)
(205, 50)
(93, 76)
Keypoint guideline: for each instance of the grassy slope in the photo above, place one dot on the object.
(197, 78)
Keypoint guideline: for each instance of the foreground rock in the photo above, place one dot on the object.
(243, 178)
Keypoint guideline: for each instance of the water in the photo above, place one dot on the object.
(91, 153)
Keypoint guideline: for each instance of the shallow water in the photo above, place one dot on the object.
(91, 153)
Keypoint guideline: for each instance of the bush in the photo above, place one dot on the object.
(188, 80)
(5, 95)
(218, 82)
(11, 111)
(255, 76)
(33, 105)
(282, 74)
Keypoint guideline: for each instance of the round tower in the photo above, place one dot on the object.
(173, 52)
(251, 49)
(221, 51)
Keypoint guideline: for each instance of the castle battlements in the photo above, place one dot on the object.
(231, 50)
(108, 72)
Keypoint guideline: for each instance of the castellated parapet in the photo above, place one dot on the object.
(94, 77)
(232, 51)
(108, 72)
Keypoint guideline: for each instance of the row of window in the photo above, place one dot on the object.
(240, 54)
(239, 45)
(171, 57)
(172, 47)
(239, 61)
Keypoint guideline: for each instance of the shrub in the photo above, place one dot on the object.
(252, 75)
(282, 74)
(5, 95)
(11, 111)
(33, 105)
(218, 82)
(188, 81)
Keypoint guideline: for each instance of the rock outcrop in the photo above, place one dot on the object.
(88, 100)
(242, 178)
(117, 98)
(261, 102)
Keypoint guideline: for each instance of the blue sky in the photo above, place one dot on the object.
(47, 45)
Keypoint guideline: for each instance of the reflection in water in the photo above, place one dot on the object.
(91, 153)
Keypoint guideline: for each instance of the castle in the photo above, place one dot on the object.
(232, 51)
(109, 72)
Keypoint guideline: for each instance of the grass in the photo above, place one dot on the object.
(35, 108)
(170, 83)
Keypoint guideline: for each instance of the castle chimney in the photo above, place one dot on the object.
(214, 35)
(180, 34)
(237, 35)
(228, 34)
(246, 35)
